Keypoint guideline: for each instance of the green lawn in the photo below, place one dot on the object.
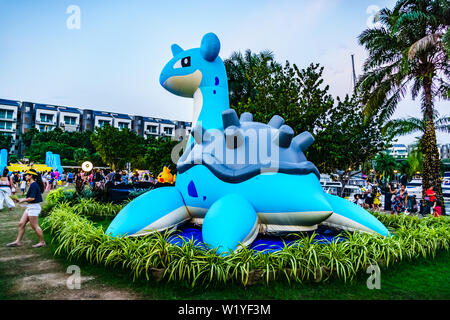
(420, 279)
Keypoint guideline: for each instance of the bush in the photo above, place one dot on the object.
(153, 256)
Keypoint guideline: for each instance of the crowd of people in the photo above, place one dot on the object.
(398, 200)
(37, 183)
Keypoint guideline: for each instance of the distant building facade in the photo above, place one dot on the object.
(398, 151)
(444, 151)
(17, 117)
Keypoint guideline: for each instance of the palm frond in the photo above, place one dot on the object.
(423, 44)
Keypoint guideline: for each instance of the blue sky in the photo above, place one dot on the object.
(113, 61)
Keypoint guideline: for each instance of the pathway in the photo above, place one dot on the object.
(34, 274)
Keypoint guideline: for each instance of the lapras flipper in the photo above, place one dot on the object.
(230, 221)
(156, 210)
(349, 216)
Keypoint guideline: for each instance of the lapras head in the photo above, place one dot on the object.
(191, 69)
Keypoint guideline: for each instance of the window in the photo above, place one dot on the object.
(151, 129)
(46, 117)
(123, 125)
(70, 120)
(168, 131)
(102, 123)
(5, 125)
(6, 114)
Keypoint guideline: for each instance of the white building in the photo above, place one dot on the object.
(8, 119)
(167, 127)
(398, 151)
(69, 119)
(102, 118)
(151, 127)
(46, 117)
(122, 121)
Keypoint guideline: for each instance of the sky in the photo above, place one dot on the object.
(113, 60)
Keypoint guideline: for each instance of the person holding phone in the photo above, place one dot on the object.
(31, 214)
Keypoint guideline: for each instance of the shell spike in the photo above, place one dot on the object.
(246, 117)
(230, 118)
(284, 136)
(303, 141)
(276, 122)
(234, 137)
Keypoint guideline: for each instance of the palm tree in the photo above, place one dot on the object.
(241, 69)
(385, 164)
(408, 51)
(415, 160)
(405, 126)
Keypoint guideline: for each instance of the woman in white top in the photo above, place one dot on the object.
(6, 184)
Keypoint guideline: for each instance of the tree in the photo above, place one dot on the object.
(270, 88)
(408, 51)
(158, 154)
(347, 140)
(241, 71)
(81, 154)
(5, 141)
(401, 127)
(385, 164)
(415, 161)
(116, 147)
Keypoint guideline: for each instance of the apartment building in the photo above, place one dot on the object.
(18, 117)
(398, 151)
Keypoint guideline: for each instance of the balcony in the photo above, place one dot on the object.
(69, 127)
(153, 133)
(46, 122)
(12, 129)
(14, 119)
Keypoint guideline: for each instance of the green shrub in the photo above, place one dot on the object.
(90, 207)
(55, 196)
(153, 257)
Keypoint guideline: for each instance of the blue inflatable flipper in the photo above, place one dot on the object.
(349, 216)
(156, 210)
(231, 220)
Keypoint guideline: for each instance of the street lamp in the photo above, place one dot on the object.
(396, 177)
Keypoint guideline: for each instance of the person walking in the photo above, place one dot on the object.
(31, 213)
(6, 185)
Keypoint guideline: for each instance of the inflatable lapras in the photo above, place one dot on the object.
(237, 177)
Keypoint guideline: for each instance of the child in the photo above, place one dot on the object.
(437, 209)
(23, 185)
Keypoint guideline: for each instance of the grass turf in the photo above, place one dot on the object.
(419, 279)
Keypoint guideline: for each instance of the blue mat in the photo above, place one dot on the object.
(262, 243)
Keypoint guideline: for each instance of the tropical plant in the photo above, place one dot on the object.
(241, 71)
(407, 51)
(385, 164)
(156, 257)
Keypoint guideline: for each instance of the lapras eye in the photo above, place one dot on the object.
(183, 63)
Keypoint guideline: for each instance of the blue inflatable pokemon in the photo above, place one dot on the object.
(237, 177)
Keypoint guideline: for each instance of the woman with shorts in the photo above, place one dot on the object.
(31, 214)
